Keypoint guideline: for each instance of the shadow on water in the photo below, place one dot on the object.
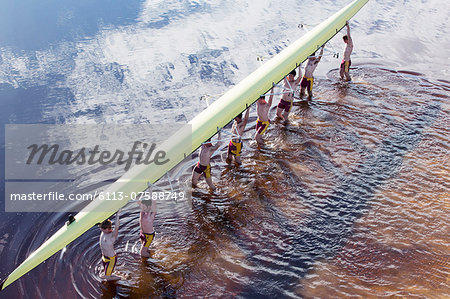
(289, 206)
(279, 250)
(327, 230)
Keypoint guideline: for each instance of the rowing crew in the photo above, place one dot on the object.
(148, 211)
(291, 84)
(108, 236)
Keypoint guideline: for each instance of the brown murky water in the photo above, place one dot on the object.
(351, 198)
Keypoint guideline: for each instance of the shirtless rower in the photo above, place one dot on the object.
(290, 85)
(203, 166)
(262, 123)
(107, 239)
(146, 218)
(235, 145)
(308, 79)
(346, 62)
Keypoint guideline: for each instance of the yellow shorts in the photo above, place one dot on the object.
(203, 169)
(307, 83)
(345, 65)
(261, 126)
(109, 263)
(147, 239)
(235, 148)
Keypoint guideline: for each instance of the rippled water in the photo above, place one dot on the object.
(349, 199)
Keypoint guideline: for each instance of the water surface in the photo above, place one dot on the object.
(349, 199)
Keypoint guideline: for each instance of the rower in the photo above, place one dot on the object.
(235, 145)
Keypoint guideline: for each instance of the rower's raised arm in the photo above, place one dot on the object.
(320, 54)
(270, 97)
(348, 30)
(246, 116)
(116, 225)
(219, 142)
(297, 81)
